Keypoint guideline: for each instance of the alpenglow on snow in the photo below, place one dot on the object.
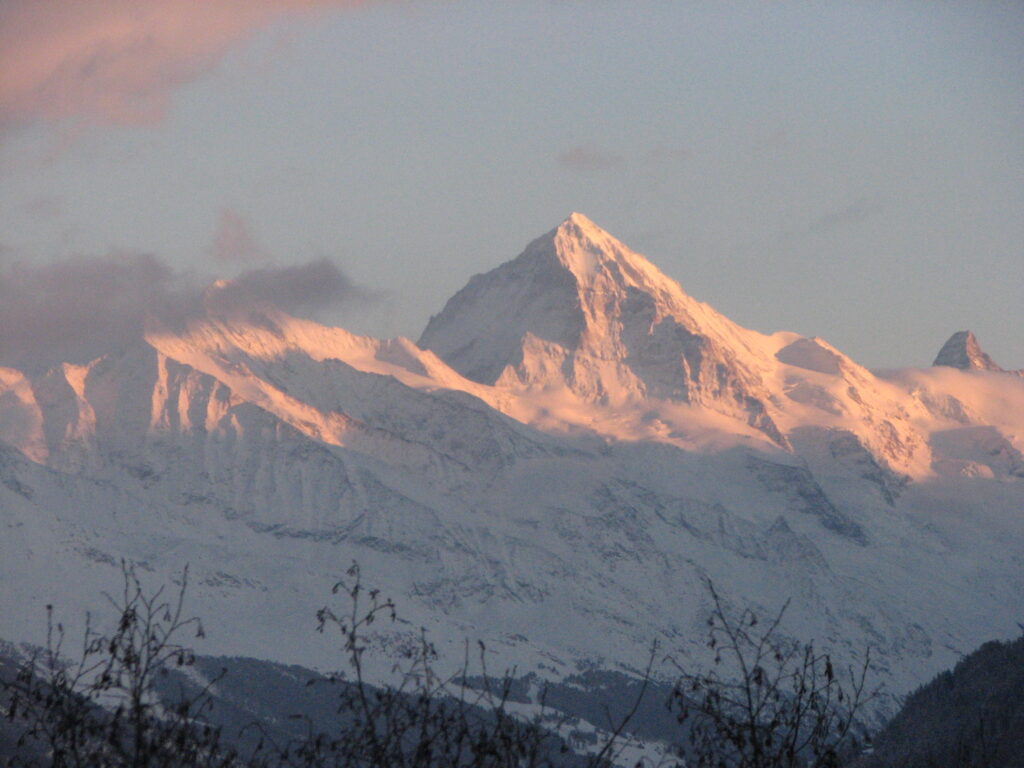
(572, 448)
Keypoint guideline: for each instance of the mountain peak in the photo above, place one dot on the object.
(963, 351)
(594, 258)
(578, 227)
(579, 311)
(563, 288)
(578, 219)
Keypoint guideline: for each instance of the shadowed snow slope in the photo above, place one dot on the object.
(573, 448)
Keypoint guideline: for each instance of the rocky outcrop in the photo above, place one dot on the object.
(963, 351)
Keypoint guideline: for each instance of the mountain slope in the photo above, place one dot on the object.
(578, 310)
(557, 475)
(593, 335)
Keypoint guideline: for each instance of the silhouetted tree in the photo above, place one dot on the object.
(111, 706)
(778, 703)
(102, 709)
(425, 720)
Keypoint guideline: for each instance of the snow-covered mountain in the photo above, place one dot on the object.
(580, 314)
(573, 446)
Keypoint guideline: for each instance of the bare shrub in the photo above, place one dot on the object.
(776, 703)
(102, 708)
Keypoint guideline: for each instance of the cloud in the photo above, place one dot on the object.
(851, 214)
(588, 158)
(302, 288)
(837, 219)
(118, 61)
(233, 240)
(585, 158)
(79, 309)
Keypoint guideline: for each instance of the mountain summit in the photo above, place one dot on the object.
(963, 351)
(578, 310)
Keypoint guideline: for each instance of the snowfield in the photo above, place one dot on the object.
(572, 447)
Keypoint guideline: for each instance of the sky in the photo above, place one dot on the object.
(848, 170)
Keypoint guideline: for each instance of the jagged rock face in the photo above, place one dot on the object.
(581, 310)
(963, 351)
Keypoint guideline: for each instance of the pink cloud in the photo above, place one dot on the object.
(233, 240)
(118, 61)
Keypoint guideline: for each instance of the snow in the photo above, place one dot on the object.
(574, 446)
(812, 354)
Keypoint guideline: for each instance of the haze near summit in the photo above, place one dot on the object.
(848, 171)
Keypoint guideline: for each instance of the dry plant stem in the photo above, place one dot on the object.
(783, 706)
(103, 708)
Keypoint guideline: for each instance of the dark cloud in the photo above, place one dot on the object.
(590, 158)
(233, 240)
(585, 158)
(837, 219)
(850, 214)
(303, 288)
(79, 309)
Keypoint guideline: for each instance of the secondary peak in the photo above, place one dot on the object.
(963, 351)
